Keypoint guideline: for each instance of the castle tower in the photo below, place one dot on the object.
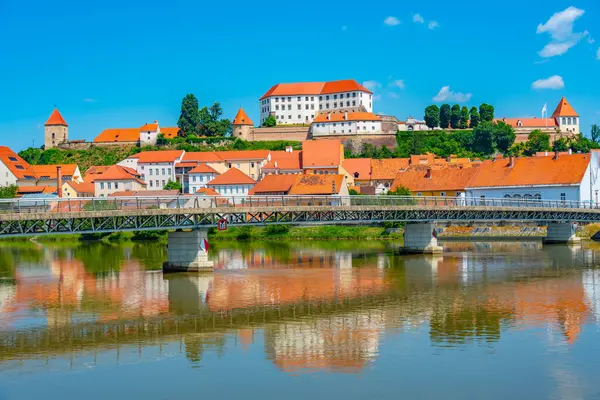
(241, 125)
(566, 117)
(56, 130)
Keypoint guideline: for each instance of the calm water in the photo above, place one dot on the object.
(317, 320)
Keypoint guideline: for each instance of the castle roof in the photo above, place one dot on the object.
(242, 118)
(56, 119)
(564, 109)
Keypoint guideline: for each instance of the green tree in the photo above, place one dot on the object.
(211, 124)
(455, 117)
(560, 144)
(399, 191)
(172, 186)
(486, 112)
(8, 192)
(503, 136)
(595, 134)
(189, 118)
(445, 115)
(432, 116)
(368, 150)
(581, 144)
(483, 138)
(475, 118)
(270, 122)
(385, 152)
(31, 155)
(537, 141)
(464, 118)
(161, 140)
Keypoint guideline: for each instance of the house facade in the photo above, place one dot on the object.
(117, 179)
(346, 123)
(199, 177)
(232, 183)
(155, 168)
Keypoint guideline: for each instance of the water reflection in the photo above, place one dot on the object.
(311, 307)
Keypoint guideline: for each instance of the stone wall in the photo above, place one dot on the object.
(295, 133)
(355, 143)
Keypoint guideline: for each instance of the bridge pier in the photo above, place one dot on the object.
(419, 238)
(187, 252)
(560, 232)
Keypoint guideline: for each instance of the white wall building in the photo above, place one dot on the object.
(117, 179)
(299, 103)
(200, 176)
(232, 183)
(155, 168)
(346, 123)
(412, 124)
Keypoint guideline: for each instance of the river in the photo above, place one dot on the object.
(340, 319)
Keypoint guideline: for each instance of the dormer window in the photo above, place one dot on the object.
(519, 123)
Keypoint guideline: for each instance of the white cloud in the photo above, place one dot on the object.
(541, 61)
(554, 82)
(391, 21)
(560, 29)
(371, 85)
(418, 19)
(446, 94)
(433, 25)
(393, 95)
(89, 100)
(399, 83)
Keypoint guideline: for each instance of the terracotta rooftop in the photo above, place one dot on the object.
(49, 171)
(359, 168)
(169, 132)
(241, 118)
(564, 109)
(149, 127)
(56, 119)
(118, 135)
(202, 156)
(387, 168)
(321, 153)
(352, 116)
(232, 176)
(284, 161)
(348, 85)
(427, 179)
(96, 169)
(18, 166)
(85, 187)
(208, 192)
(314, 88)
(243, 155)
(163, 156)
(118, 173)
(203, 169)
(567, 169)
(274, 184)
(317, 184)
(36, 189)
(145, 193)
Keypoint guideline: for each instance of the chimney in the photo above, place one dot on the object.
(156, 121)
(59, 181)
(275, 164)
(289, 149)
(556, 155)
(511, 161)
(448, 159)
(570, 151)
(428, 173)
(333, 191)
(328, 116)
(346, 115)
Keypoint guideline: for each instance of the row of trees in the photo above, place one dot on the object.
(207, 121)
(457, 117)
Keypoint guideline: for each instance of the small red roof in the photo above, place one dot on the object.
(202, 156)
(352, 116)
(321, 153)
(348, 85)
(317, 184)
(208, 192)
(149, 127)
(233, 176)
(161, 156)
(56, 119)
(241, 118)
(359, 168)
(274, 184)
(243, 155)
(203, 169)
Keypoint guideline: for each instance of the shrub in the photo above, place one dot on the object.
(273, 230)
(245, 233)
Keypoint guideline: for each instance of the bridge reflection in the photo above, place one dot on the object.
(312, 307)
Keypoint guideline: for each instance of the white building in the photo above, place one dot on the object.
(232, 183)
(412, 124)
(568, 177)
(117, 179)
(299, 103)
(149, 133)
(155, 168)
(13, 168)
(200, 176)
(346, 123)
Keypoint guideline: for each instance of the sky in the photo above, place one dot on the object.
(109, 64)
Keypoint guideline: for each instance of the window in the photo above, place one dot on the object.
(228, 165)
(156, 183)
(507, 196)
(306, 107)
(574, 120)
(320, 97)
(109, 186)
(353, 102)
(443, 194)
(564, 120)
(116, 185)
(299, 116)
(102, 185)
(335, 96)
(289, 99)
(537, 196)
(312, 116)
(12, 159)
(348, 104)
(327, 97)
(299, 98)
(419, 194)
(373, 128)
(299, 107)
(458, 193)
(19, 167)
(157, 169)
(276, 99)
(312, 98)
(320, 106)
(354, 94)
(237, 165)
(306, 98)
(289, 107)
(277, 107)
(327, 105)
(312, 106)
(563, 196)
(163, 183)
(163, 171)
(150, 183)
(290, 116)
(252, 164)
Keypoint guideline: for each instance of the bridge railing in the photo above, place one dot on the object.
(44, 205)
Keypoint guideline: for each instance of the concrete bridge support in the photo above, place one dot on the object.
(188, 252)
(559, 232)
(420, 238)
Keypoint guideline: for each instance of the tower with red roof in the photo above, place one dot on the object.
(241, 125)
(56, 130)
(566, 117)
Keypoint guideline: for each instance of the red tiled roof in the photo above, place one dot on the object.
(243, 155)
(203, 169)
(321, 153)
(232, 176)
(285, 161)
(449, 179)
(56, 119)
(529, 122)
(564, 109)
(352, 116)
(274, 184)
(202, 156)
(118, 135)
(162, 156)
(149, 127)
(96, 169)
(314, 88)
(169, 132)
(567, 169)
(387, 168)
(348, 85)
(85, 187)
(50, 170)
(36, 189)
(118, 173)
(208, 192)
(317, 185)
(360, 166)
(241, 118)
(19, 167)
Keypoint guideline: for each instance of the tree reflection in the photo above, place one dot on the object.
(99, 258)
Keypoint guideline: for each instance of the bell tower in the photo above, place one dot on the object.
(56, 130)
(241, 125)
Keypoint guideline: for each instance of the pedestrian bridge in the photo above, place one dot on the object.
(29, 217)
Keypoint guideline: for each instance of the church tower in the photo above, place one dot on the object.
(566, 117)
(56, 130)
(241, 125)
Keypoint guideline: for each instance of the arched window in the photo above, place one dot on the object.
(517, 196)
(537, 196)
(519, 123)
(527, 196)
(356, 175)
(507, 196)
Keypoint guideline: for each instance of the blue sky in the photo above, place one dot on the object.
(123, 63)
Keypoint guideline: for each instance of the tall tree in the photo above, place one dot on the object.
(486, 112)
(475, 118)
(503, 136)
(432, 116)
(595, 133)
(211, 123)
(464, 117)
(270, 122)
(445, 116)
(189, 116)
(537, 141)
(455, 117)
(560, 144)
(483, 138)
